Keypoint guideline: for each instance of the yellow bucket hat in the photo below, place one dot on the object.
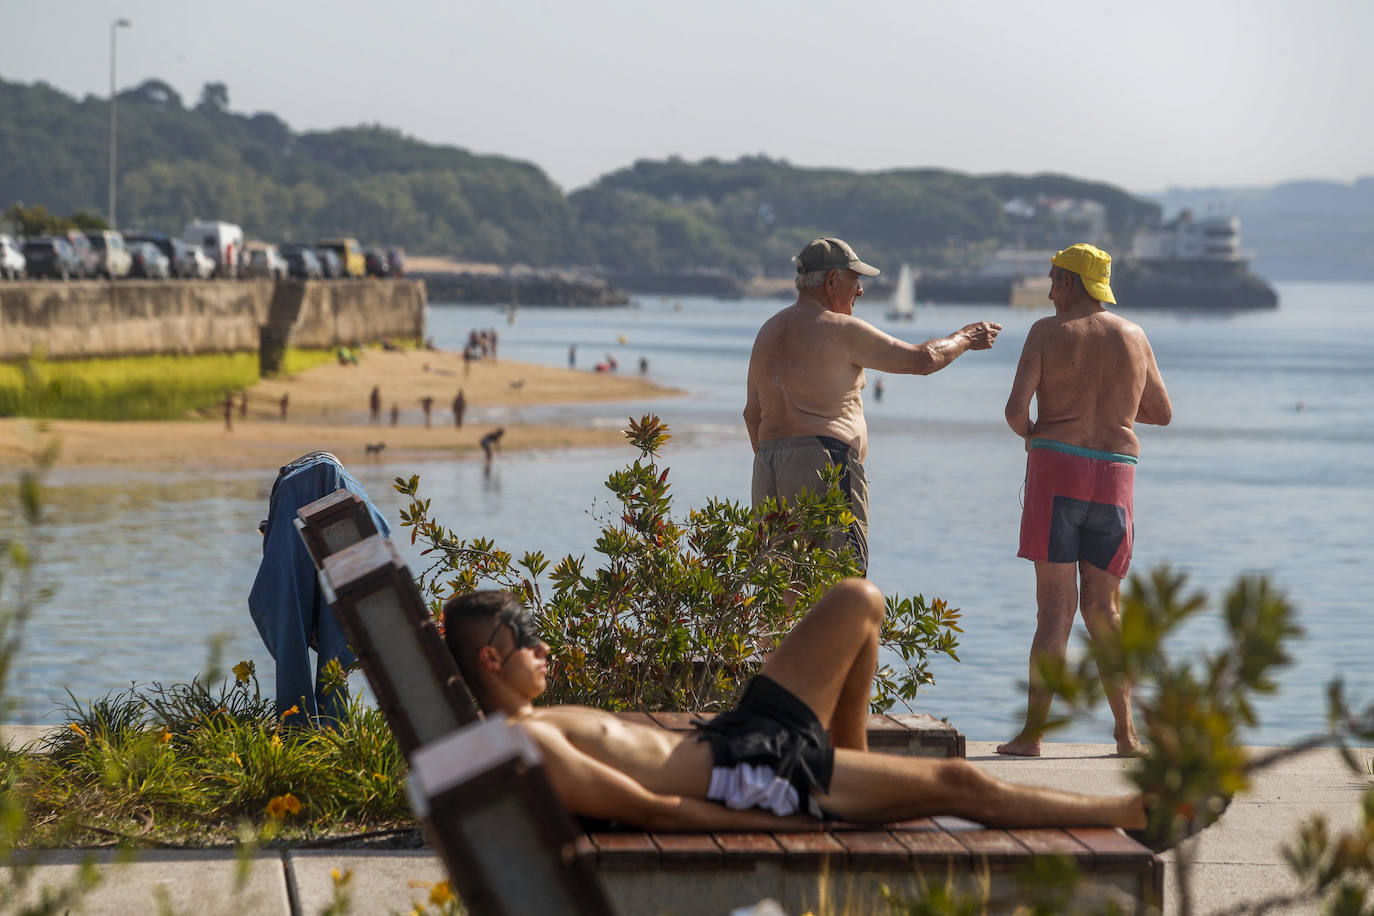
(1092, 264)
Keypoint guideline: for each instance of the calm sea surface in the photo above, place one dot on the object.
(1266, 468)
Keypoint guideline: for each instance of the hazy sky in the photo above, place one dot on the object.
(1141, 94)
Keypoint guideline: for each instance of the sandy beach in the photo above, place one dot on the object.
(328, 409)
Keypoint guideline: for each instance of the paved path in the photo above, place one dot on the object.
(1238, 859)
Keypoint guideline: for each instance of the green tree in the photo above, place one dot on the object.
(214, 98)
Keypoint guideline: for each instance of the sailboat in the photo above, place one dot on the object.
(903, 304)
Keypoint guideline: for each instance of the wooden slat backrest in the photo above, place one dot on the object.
(412, 673)
(509, 846)
(333, 522)
(490, 811)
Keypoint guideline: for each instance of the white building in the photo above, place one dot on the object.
(1211, 238)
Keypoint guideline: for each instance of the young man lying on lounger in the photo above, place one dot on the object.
(795, 744)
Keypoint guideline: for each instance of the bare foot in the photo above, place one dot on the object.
(1020, 747)
(1131, 747)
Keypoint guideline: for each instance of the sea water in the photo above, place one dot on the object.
(1265, 469)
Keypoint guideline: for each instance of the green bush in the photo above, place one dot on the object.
(678, 612)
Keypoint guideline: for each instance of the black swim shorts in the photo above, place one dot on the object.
(769, 752)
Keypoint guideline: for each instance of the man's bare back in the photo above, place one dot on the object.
(1093, 376)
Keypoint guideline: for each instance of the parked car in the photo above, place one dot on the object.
(178, 253)
(114, 256)
(376, 264)
(85, 252)
(51, 256)
(11, 259)
(301, 262)
(350, 255)
(265, 261)
(330, 265)
(184, 262)
(149, 262)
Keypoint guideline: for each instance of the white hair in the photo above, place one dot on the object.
(812, 278)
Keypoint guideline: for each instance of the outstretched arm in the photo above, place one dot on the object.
(1155, 407)
(1023, 388)
(873, 349)
(589, 788)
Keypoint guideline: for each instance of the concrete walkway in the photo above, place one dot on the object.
(1237, 860)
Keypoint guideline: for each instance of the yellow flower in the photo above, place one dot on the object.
(292, 803)
(234, 756)
(276, 740)
(340, 879)
(276, 808)
(439, 894)
(164, 736)
(290, 712)
(243, 671)
(78, 729)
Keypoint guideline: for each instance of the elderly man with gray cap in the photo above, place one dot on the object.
(1093, 377)
(804, 408)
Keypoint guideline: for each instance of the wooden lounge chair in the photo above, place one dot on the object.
(469, 776)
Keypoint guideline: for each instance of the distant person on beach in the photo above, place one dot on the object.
(1093, 376)
(804, 409)
(491, 442)
(460, 406)
(643, 365)
(243, 405)
(374, 405)
(395, 414)
(572, 356)
(427, 405)
(284, 403)
(229, 411)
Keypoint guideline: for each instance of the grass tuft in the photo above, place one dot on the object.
(162, 387)
(188, 765)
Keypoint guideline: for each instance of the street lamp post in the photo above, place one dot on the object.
(115, 26)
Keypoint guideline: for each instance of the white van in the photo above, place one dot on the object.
(223, 242)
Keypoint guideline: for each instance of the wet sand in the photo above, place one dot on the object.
(328, 409)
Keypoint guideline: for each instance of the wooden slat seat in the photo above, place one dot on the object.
(647, 872)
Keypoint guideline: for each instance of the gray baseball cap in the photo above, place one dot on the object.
(832, 254)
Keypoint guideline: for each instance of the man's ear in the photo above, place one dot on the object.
(488, 658)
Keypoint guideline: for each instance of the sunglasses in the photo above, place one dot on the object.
(521, 626)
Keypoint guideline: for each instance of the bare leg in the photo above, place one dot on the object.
(829, 658)
(882, 788)
(1056, 597)
(1101, 598)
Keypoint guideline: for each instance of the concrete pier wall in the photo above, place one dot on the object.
(126, 318)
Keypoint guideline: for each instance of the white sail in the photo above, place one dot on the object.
(903, 303)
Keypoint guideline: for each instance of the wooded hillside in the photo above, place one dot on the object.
(180, 161)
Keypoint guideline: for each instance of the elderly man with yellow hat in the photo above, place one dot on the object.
(1093, 376)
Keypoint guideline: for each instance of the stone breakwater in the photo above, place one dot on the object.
(524, 288)
(129, 318)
